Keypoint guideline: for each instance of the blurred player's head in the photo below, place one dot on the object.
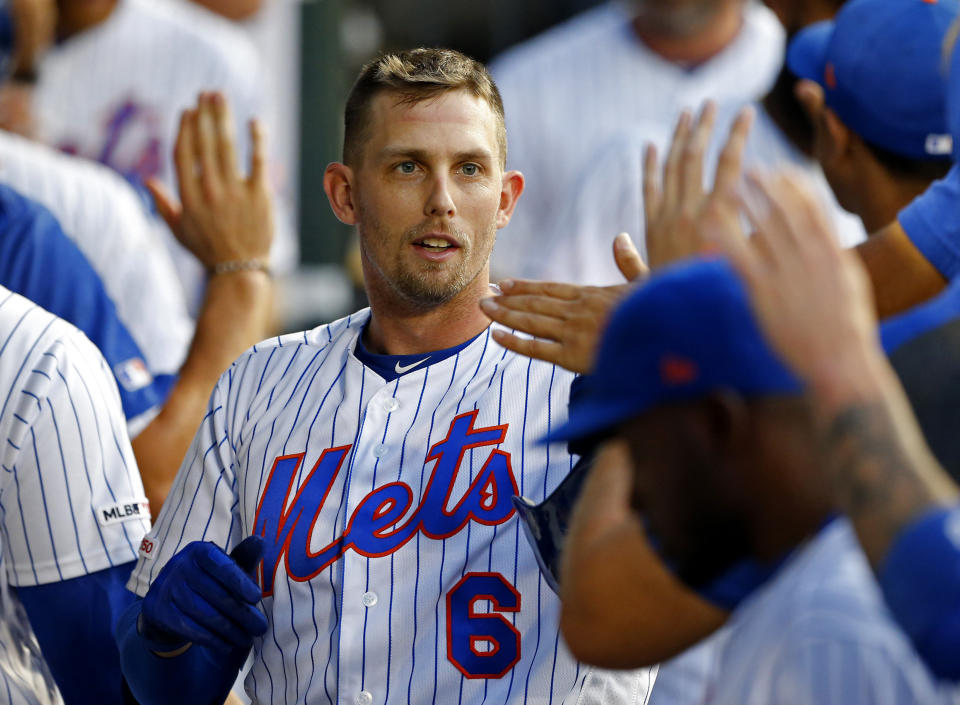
(721, 434)
(423, 176)
(874, 84)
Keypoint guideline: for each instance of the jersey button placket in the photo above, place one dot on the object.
(364, 698)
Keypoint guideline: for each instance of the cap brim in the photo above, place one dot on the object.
(592, 417)
(807, 53)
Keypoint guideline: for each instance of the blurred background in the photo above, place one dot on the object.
(312, 50)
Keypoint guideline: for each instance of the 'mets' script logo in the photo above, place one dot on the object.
(374, 528)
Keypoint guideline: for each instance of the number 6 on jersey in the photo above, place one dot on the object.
(468, 630)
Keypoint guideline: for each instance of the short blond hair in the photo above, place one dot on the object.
(417, 75)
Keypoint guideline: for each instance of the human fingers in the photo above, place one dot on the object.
(184, 157)
(730, 164)
(546, 350)
(692, 171)
(532, 303)
(208, 599)
(531, 323)
(248, 553)
(166, 204)
(225, 137)
(628, 259)
(224, 570)
(208, 623)
(558, 290)
(258, 156)
(652, 194)
(772, 237)
(672, 168)
(205, 148)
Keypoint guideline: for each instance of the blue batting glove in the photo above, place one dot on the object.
(205, 597)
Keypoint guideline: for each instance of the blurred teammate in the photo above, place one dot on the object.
(620, 66)
(73, 511)
(115, 85)
(721, 442)
(399, 434)
(874, 81)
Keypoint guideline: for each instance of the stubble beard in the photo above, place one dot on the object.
(426, 286)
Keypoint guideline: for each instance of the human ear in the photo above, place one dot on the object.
(513, 183)
(338, 185)
(835, 138)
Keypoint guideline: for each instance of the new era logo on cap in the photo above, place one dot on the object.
(939, 144)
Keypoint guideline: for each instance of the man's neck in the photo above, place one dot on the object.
(400, 328)
(696, 47)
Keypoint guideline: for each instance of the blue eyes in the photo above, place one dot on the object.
(409, 168)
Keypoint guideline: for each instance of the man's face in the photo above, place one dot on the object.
(428, 196)
(684, 494)
(678, 18)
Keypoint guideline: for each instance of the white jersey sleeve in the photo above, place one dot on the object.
(103, 215)
(201, 503)
(72, 501)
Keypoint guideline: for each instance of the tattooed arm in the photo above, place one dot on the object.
(815, 304)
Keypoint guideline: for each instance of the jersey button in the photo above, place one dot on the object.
(364, 698)
(390, 405)
(369, 599)
(379, 450)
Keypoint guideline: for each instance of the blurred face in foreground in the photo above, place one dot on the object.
(687, 489)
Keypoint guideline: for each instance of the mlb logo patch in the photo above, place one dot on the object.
(133, 374)
(124, 510)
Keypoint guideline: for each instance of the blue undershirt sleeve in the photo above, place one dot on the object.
(920, 579)
(931, 224)
(74, 620)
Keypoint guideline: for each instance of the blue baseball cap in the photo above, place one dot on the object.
(685, 333)
(881, 68)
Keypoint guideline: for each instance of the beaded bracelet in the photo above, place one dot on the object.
(243, 265)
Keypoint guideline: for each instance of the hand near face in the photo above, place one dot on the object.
(223, 216)
(812, 298)
(677, 208)
(567, 319)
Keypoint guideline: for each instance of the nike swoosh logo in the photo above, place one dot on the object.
(400, 369)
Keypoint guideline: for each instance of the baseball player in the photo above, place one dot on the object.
(718, 439)
(114, 87)
(371, 461)
(73, 511)
(621, 66)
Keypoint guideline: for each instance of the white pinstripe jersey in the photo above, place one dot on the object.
(395, 570)
(71, 500)
(607, 198)
(114, 93)
(571, 89)
(102, 214)
(820, 632)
